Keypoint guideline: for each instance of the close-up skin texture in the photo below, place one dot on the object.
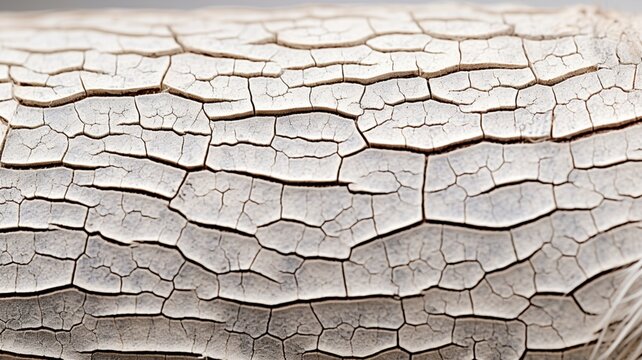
(380, 182)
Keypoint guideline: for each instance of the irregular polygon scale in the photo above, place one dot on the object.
(367, 181)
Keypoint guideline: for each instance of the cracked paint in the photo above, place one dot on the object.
(381, 183)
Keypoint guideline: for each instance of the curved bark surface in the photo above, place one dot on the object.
(425, 182)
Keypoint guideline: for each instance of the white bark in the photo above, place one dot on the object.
(444, 182)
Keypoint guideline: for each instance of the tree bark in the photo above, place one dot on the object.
(386, 182)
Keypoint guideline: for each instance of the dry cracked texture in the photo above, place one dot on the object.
(438, 182)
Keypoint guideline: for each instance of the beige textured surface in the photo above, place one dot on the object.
(438, 182)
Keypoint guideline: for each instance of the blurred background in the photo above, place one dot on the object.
(11, 5)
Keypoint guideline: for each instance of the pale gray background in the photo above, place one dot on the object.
(12, 5)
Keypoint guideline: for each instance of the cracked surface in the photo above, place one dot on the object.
(317, 183)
